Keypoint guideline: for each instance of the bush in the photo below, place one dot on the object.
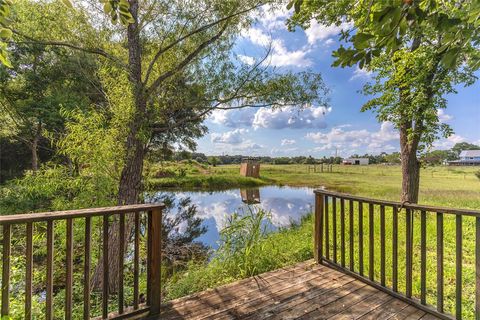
(477, 174)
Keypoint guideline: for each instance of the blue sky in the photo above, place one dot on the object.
(319, 131)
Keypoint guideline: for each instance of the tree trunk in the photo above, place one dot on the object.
(130, 184)
(34, 151)
(410, 166)
(34, 147)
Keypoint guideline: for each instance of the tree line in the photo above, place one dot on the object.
(433, 157)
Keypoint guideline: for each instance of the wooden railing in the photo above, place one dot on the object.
(23, 227)
(397, 234)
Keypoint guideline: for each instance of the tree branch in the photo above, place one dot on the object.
(96, 51)
(185, 61)
(198, 30)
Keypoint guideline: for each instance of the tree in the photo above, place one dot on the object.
(435, 157)
(40, 83)
(167, 44)
(419, 50)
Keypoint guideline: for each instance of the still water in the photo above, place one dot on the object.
(285, 205)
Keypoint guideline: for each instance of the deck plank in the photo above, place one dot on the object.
(304, 291)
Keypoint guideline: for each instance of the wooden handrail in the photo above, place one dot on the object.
(113, 219)
(82, 213)
(405, 205)
(367, 225)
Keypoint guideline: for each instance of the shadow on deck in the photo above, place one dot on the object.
(304, 291)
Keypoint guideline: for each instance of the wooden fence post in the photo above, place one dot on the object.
(154, 260)
(318, 228)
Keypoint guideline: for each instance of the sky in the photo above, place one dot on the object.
(339, 128)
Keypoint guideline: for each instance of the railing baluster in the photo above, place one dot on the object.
(49, 293)
(69, 270)
(395, 249)
(327, 231)
(477, 268)
(423, 257)
(371, 244)
(334, 229)
(121, 232)
(351, 247)
(136, 261)
(382, 245)
(28, 271)
(360, 238)
(155, 258)
(65, 307)
(408, 251)
(86, 270)
(342, 231)
(105, 268)
(458, 267)
(439, 262)
(6, 270)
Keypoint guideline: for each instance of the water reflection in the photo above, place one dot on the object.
(285, 204)
(250, 196)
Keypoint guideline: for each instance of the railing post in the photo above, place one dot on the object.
(318, 228)
(154, 260)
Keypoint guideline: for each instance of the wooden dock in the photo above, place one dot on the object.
(304, 291)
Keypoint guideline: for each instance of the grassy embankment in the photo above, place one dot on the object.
(191, 175)
(440, 186)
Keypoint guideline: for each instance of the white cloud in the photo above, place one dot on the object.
(442, 116)
(246, 59)
(448, 143)
(288, 142)
(348, 140)
(313, 117)
(249, 145)
(288, 151)
(280, 56)
(319, 32)
(273, 18)
(233, 118)
(360, 74)
(230, 137)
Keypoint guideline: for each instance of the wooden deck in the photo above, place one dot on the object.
(304, 291)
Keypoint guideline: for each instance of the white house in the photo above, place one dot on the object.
(467, 158)
(356, 161)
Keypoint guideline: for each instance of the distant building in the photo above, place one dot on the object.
(356, 161)
(467, 158)
(250, 167)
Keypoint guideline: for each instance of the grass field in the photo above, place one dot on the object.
(440, 186)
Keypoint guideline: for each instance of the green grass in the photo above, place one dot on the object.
(191, 175)
(440, 186)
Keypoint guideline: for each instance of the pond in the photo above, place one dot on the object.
(285, 205)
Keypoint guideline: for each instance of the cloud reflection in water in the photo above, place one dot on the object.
(286, 205)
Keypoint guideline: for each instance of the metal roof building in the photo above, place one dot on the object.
(467, 158)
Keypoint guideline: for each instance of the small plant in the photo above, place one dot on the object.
(477, 174)
(240, 240)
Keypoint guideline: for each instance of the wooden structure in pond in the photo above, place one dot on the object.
(369, 257)
(250, 167)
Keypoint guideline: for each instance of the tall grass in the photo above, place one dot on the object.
(247, 248)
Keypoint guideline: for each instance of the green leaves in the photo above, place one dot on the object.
(5, 34)
(118, 9)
